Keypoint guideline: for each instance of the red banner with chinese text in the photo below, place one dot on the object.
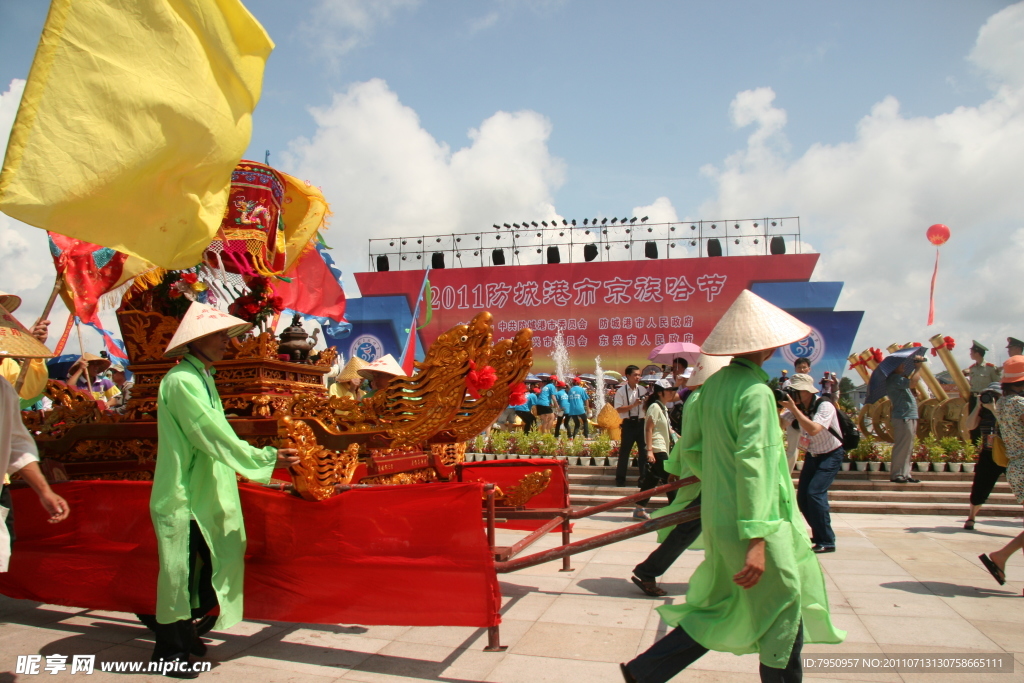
(618, 310)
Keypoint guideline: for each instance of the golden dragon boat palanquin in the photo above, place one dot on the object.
(412, 431)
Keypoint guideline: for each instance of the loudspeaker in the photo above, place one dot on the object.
(382, 264)
(437, 260)
(589, 252)
(651, 250)
(714, 247)
(498, 257)
(778, 245)
(553, 255)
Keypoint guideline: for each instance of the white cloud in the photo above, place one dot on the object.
(868, 202)
(336, 27)
(659, 211)
(483, 23)
(386, 176)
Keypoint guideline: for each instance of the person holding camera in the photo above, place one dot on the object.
(982, 423)
(820, 439)
(629, 402)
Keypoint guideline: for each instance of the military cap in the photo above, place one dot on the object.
(978, 346)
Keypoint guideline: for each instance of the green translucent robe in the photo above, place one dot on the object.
(197, 456)
(732, 441)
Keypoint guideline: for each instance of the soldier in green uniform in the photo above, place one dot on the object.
(196, 511)
(980, 374)
(1014, 347)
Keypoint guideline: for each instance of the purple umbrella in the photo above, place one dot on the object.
(667, 352)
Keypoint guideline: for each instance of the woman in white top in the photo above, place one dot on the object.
(658, 437)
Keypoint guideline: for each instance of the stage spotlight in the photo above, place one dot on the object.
(773, 224)
(383, 265)
(553, 255)
(476, 253)
(497, 227)
(391, 244)
(623, 220)
(644, 219)
(507, 226)
(419, 241)
(714, 247)
(478, 238)
(778, 245)
(437, 260)
(651, 249)
(586, 232)
(515, 225)
(755, 225)
(627, 231)
(561, 234)
(497, 237)
(593, 221)
(693, 227)
(498, 257)
(737, 226)
(565, 222)
(544, 223)
(604, 231)
(533, 223)
(589, 252)
(403, 258)
(458, 239)
(419, 256)
(585, 221)
(538, 251)
(650, 229)
(693, 243)
(403, 241)
(736, 241)
(607, 247)
(603, 221)
(614, 220)
(574, 222)
(439, 239)
(713, 226)
(632, 220)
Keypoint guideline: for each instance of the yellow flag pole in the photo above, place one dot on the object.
(23, 373)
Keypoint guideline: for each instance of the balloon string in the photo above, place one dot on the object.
(931, 296)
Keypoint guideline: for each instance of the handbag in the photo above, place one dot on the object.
(999, 451)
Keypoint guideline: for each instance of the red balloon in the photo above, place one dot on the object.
(938, 234)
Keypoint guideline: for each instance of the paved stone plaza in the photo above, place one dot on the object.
(898, 584)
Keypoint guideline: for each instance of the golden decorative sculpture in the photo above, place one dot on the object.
(319, 468)
(528, 487)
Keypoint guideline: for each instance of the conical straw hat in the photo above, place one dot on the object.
(752, 324)
(16, 341)
(93, 358)
(385, 364)
(10, 301)
(705, 367)
(199, 321)
(351, 369)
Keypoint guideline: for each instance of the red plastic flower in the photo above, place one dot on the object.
(482, 380)
(517, 396)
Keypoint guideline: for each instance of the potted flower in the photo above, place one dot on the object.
(884, 451)
(799, 465)
(971, 449)
(954, 449)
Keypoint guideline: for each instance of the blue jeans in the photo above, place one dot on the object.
(812, 494)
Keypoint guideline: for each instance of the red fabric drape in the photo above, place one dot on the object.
(507, 473)
(397, 555)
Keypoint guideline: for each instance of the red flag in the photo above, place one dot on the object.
(314, 289)
(931, 293)
(90, 271)
(409, 359)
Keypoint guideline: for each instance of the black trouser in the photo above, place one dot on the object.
(669, 550)
(678, 650)
(5, 500)
(558, 424)
(573, 425)
(986, 474)
(654, 477)
(176, 639)
(632, 434)
(528, 420)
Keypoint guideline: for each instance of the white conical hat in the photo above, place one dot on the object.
(16, 341)
(199, 321)
(10, 301)
(752, 324)
(385, 364)
(705, 367)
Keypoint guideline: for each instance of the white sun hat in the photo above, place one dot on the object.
(752, 324)
(201, 320)
(705, 367)
(10, 301)
(386, 365)
(16, 341)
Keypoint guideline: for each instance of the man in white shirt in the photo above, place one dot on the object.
(820, 439)
(629, 402)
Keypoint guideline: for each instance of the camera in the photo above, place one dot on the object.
(784, 395)
(988, 396)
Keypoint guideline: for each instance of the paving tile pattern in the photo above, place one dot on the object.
(897, 584)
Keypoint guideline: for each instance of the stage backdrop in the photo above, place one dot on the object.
(616, 310)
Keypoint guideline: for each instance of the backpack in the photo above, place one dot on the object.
(849, 434)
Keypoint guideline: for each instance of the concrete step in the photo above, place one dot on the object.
(931, 485)
(906, 506)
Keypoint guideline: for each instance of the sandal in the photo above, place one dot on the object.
(969, 525)
(649, 587)
(993, 569)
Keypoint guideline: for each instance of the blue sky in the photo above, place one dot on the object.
(602, 108)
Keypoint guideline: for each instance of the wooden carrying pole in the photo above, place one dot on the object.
(46, 312)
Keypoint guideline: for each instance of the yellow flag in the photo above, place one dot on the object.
(134, 115)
